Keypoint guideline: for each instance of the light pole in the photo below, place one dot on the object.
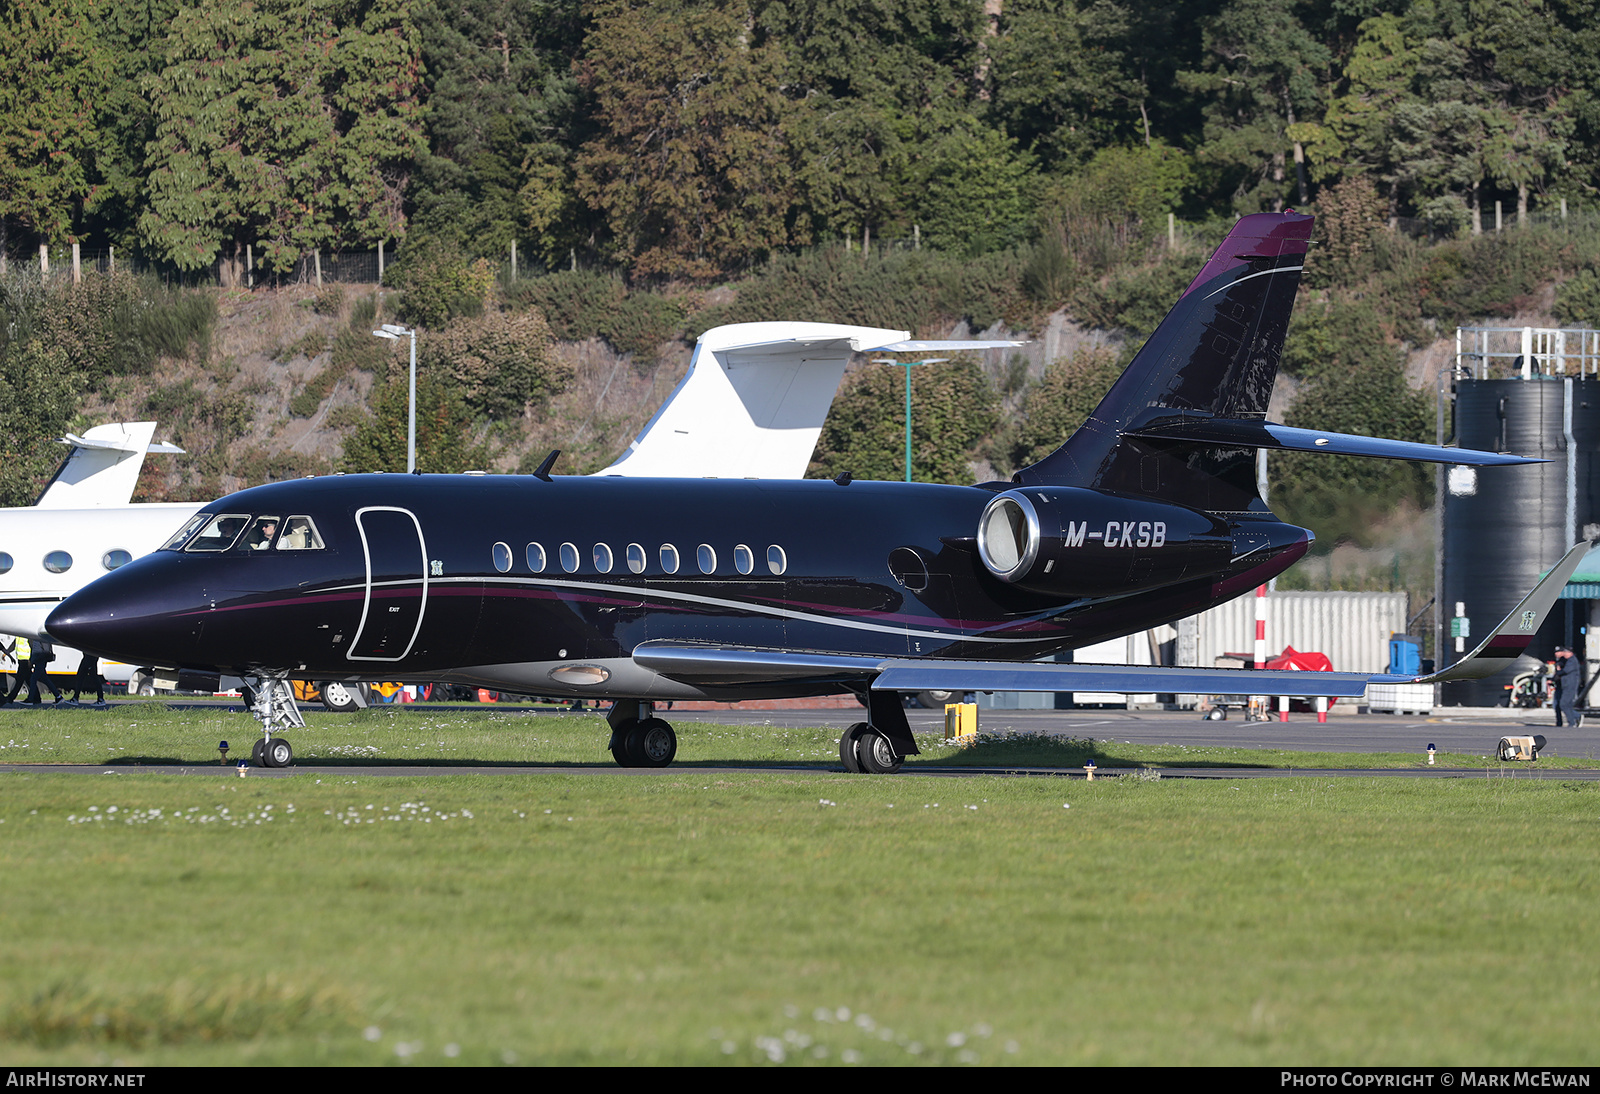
(908, 366)
(394, 334)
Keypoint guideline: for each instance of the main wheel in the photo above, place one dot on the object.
(255, 753)
(619, 743)
(849, 749)
(277, 753)
(338, 696)
(652, 743)
(877, 754)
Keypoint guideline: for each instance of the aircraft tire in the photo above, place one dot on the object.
(877, 754)
(620, 738)
(652, 743)
(255, 754)
(936, 699)
(337, 696)
(278, 753)
(849, 747)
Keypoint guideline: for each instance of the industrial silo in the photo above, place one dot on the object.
(1504, 526)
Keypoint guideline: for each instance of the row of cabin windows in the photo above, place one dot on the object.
(636, 558)
(59, 562)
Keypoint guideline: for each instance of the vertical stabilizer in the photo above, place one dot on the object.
(103, 467)
(1215, 356)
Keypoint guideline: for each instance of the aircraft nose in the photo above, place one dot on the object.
(125, 615)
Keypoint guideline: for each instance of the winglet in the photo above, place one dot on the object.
(1510, 639)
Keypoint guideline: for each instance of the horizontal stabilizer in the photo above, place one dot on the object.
(1254, 433)
(945, 347)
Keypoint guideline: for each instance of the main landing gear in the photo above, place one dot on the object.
(880, 745)
(272, 704)
(638, 738)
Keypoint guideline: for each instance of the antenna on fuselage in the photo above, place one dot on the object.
(543, 470)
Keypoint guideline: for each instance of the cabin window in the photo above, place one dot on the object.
(777, 561)
(185, 532)
(300, 534)
(744, 560)
(602, 558)
(6, 562)
(636, 558)
(58, 562)
(536, 557)
(221, 533)
(502, 556)
(707, 558)
(669, 558)
(569, 557)
(115, 558)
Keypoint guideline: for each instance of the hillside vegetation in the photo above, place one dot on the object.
(266, 384)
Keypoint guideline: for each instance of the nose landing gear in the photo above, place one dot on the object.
(272, 704)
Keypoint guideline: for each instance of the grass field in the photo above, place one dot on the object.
(776, 916)
(150, 732)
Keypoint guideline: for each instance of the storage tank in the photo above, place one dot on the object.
(1504, 526)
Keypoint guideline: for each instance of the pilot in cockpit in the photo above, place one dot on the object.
(261, 536)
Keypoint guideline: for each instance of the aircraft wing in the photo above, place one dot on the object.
(755, 397)
(725, 665)
(1252, 433)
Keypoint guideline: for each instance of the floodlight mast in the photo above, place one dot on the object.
(394, 333)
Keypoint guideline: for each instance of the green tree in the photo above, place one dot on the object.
(498, 82)
(876, 88)
(976, 191)
(55, 70)
(952, 408)
(445, 426)
(501, 362)
(1061, 85)
(130, 31)
(288, 123)
(691, 166)
(1261, 74)
(1063, 399)
(39, 392)
(1353, 382)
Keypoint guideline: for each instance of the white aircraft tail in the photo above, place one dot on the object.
(755, 397)
(103, 467)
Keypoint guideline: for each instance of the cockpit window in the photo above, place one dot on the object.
(299, 534)
(260, 536)
(185, 532)
(221, 533)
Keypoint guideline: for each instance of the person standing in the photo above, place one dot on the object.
(44, 652)
(24, 656)
(1567, 688)
(89, 679)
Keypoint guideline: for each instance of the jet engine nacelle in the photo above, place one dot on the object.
(1064, 541)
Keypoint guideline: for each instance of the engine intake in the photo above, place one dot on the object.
(1064, 541)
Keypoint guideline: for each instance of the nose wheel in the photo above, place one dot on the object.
(272, 704)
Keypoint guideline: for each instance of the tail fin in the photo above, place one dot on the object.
(1215, 356)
